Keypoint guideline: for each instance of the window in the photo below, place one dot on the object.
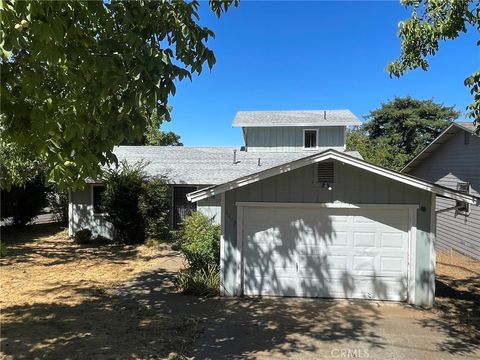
(310, 139)
(462, 207)
(97, 196)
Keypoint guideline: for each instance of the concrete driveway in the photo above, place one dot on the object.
(289, 328)
(323, 329)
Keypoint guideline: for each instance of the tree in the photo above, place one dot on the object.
(397, 131)
(433, 21)
(154, 136)
(78, 77)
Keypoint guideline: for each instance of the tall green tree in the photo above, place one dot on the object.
(153, 134)
(399, 129)
(432, 22)
(78, 77)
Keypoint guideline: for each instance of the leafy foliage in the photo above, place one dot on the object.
(23, 203)
(200, 282)
(3, 249)
(79, 77)
(397, 131)
(154, 136)
(200, 242)
(58, 203)
(123, 191)
(433, 21)
(154, 204)
(83, 236)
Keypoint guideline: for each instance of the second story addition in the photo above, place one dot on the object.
(294, 131)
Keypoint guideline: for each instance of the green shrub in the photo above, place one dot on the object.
(201, 282)
(83, 236)
(200, 242)
(3, 249)
(58, 202)
(123, 190)
(23, 203)
(154, 204)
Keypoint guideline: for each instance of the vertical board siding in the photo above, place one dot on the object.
(290, 139)
(352, 185)
(451, 163)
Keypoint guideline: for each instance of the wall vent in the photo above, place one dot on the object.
(325, 173)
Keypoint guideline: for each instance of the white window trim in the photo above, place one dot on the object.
(92, 207)
(316, 140)
(464, 213)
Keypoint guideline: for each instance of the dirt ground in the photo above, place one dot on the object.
(457, 298)
(60, 300)
(53, 291)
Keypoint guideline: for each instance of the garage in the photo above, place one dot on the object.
(366, 232)
(318, 251)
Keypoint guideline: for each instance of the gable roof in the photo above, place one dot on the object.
(444, 137)
(295, 118)
(203, 165)
(332, 155)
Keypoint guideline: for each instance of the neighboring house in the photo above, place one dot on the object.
(453, 160)
(299, 215)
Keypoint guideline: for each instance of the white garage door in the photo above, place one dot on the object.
(325, 252)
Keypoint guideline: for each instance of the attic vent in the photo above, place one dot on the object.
(325, 173)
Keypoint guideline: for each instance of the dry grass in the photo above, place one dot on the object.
(457, 299)
(61, 300)
(45, 265)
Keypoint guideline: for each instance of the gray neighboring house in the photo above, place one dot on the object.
(300, 216)
(453, 160)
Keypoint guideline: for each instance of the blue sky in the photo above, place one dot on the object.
(309, 55)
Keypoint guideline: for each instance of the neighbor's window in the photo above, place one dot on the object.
(310, 139)
(97, 198)
(463, 208)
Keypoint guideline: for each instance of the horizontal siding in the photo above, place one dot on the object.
(450, 164)
(290, 139)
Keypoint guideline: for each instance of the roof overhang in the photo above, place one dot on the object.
(332, 155)
(445, 136)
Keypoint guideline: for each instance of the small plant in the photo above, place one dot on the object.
(200, 243)
(3, 249)
(200, 282)
(83, 236)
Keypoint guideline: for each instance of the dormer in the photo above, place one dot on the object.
(294, 131)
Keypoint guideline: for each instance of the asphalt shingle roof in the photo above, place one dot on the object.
(204, 165)
(295, 118)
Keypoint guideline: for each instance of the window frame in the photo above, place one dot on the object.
(316, 139)
(92, 199)
(458, 203)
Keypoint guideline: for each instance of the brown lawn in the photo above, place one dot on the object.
(59, 299)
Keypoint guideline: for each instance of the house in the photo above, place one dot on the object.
(453, 160)
(300, 216)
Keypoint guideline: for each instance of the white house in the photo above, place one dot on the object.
(300, 216)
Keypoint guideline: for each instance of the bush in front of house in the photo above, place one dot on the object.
(202, 282)
(137, 207)
(123, 190)
(22, 204)
(83, 236)
(154, 204)
(3, 249)
(200, 243)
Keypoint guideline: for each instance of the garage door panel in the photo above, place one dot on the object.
(326, 252)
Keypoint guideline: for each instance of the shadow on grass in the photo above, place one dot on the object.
(458, 309)
(141, 320)
(52, 243)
